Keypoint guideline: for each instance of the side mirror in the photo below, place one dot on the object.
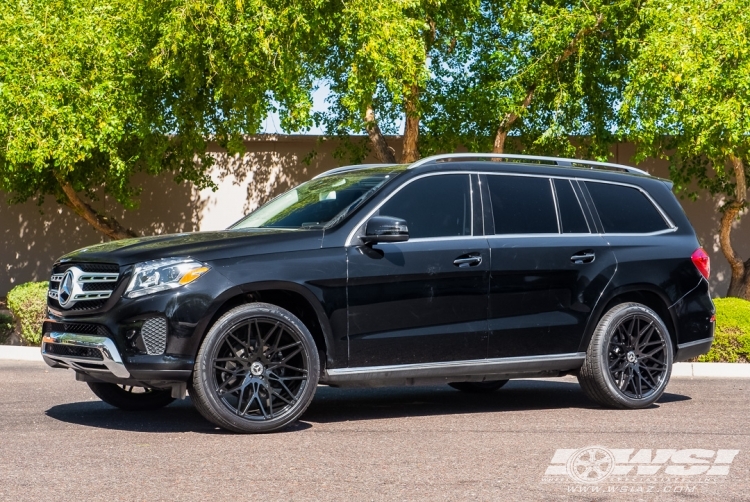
(385, 229)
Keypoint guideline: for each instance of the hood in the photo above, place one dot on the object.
(203, 246)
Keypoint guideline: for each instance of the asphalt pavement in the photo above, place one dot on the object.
(532, 440)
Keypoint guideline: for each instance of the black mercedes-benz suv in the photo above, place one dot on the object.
(463, 269)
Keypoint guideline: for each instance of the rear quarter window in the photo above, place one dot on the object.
(625, 210)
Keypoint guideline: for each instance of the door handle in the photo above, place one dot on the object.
(470, 260)
(583, 257)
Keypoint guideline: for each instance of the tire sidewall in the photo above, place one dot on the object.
(604, 332)
(203, 374)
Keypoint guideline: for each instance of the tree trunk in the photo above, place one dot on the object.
(104, 224)
(410, 151)
(510, 118)
(383, 152)
(507, 123)
(739, 285)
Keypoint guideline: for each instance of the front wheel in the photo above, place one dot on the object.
(629, 359)
(131, 398)
(257, 369)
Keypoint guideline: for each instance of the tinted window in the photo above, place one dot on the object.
(571, 215)
(624, 209)
(435, 206)
(522, 205)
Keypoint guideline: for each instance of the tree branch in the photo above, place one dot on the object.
(410, 151)
(108, 226)
(383, 152)
(507, 122)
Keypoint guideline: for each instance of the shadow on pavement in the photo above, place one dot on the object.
(340, 405)
(336, 405)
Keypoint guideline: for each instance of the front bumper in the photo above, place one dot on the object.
(87, 353)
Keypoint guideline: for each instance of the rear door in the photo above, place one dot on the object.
(424, 300)
(548, 265)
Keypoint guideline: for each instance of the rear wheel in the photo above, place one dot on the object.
(257, 369)
(131, 398)
(629, 359)
(479, 387)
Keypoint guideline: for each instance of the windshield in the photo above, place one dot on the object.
(320, 202)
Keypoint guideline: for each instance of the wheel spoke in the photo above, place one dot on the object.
(637, 356)
(260, 369)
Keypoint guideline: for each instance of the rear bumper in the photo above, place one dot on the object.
(686, 351)
(87, 353)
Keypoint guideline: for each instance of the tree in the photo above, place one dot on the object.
(540, 71)
(377, 65)
(94, 91)
(688, 93)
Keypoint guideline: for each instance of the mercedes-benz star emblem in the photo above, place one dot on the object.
(66, 289)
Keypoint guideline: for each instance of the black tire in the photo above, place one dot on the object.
(629, 359)
(131, 398)
(256, 371)
(479, 387)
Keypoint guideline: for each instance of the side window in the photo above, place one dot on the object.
(625, 210)
(571, 215)
(435, 206)
(522, 205)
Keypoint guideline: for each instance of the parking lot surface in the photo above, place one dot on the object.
(58, 442)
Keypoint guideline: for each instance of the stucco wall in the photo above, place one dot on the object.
(34, 236)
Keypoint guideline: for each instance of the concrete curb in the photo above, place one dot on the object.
(710, 370)
(679, 370)
(16, 353)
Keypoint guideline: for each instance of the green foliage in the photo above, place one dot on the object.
(6, 327)
(379, 54)
(28, 304)
(732, 336)
(94, 91)
(567, 56)
(689, 90)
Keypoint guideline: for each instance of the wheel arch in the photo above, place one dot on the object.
(293, 297)
(646, 294)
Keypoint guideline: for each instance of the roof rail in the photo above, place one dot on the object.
(557, 161)
(344, 169)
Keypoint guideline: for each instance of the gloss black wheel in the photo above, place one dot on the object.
(130, 398)
(485, 387)
(257, 369)
(629, 360)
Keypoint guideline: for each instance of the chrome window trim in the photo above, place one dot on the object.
(361, 222)
(672, 226)
(436, 239)
(481, 202)
(557, 209)
(585, 218)
(644, 192)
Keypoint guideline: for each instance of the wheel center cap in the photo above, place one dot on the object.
(631, 357)
(256, 368)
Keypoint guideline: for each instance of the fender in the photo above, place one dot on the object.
(308, 295)
(609, 295)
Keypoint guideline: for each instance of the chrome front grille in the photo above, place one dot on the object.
(82, 286)
(154, 335)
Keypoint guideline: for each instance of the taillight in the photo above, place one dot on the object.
(702, 262)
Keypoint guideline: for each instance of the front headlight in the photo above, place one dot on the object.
(160, 275)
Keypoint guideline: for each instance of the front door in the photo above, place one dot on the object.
(548, 268)
(424, 300)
